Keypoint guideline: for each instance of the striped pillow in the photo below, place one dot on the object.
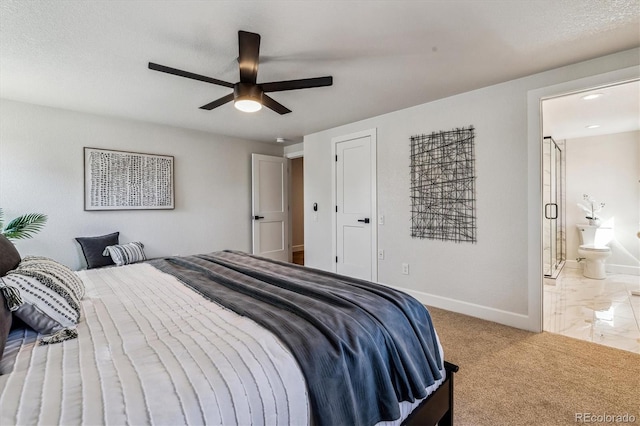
(47, 306)
(49, 297)
(125, 254)
(46, 269)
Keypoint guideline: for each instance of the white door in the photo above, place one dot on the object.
(269, 206)
(355, 206)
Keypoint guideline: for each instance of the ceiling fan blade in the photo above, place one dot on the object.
(248, 56)
(304, 83)
(277, 107)
(215, 104)
(187, 74)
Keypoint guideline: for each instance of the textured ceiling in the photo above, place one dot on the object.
(92, 56)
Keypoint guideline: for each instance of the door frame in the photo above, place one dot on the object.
(535, 276)
(291, 156)
(372, 134)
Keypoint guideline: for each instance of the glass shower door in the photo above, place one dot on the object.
(552, 201)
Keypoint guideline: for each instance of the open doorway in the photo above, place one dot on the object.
(597, 132)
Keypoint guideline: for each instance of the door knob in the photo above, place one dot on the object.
(365, 220)
(258, 217)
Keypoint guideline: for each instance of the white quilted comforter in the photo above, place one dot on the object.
(151, 351)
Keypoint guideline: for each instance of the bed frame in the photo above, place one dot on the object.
(437, 409)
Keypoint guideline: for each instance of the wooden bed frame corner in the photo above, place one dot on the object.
(437, 409)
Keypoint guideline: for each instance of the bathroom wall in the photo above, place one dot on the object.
(607, 168)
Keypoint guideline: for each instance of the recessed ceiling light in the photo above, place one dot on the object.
(280, 140)
(593, 126)
(591, 96)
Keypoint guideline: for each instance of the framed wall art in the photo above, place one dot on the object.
(120, 180)
(443, 193)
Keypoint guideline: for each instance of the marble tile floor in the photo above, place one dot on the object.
(599, 311)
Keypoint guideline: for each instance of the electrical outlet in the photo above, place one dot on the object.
(380, 254)
(405, 269)
(381, 220)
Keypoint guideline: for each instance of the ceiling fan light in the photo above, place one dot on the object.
(247, 97)
(247, 105)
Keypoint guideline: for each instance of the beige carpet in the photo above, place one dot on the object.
(513, 377)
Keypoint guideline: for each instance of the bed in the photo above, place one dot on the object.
(228, 338)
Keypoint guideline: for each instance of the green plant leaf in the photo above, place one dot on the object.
(24, 226)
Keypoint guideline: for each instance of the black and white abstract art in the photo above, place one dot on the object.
(118, 180)
(443, 195)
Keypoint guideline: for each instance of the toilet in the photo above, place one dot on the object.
(593, 249)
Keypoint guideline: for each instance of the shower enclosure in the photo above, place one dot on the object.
(553, 231)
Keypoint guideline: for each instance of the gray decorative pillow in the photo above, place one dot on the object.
(9, 259)
(9, 256)
(5, 322)
(126, 253)
(93, 247)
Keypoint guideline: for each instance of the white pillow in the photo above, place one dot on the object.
(43, 309)
(50, 293)
(46, 267)
(125, 254)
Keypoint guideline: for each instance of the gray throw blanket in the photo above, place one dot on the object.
(362, 347)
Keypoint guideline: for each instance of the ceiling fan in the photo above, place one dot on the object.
(248, 95)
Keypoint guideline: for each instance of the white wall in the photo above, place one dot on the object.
(292, 151)
(491, 279)
(607, 168)
(41, 170)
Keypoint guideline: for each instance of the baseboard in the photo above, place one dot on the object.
(297, 248)
(623, 269)
(571, 264)
(610, 268)
(478, 311)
